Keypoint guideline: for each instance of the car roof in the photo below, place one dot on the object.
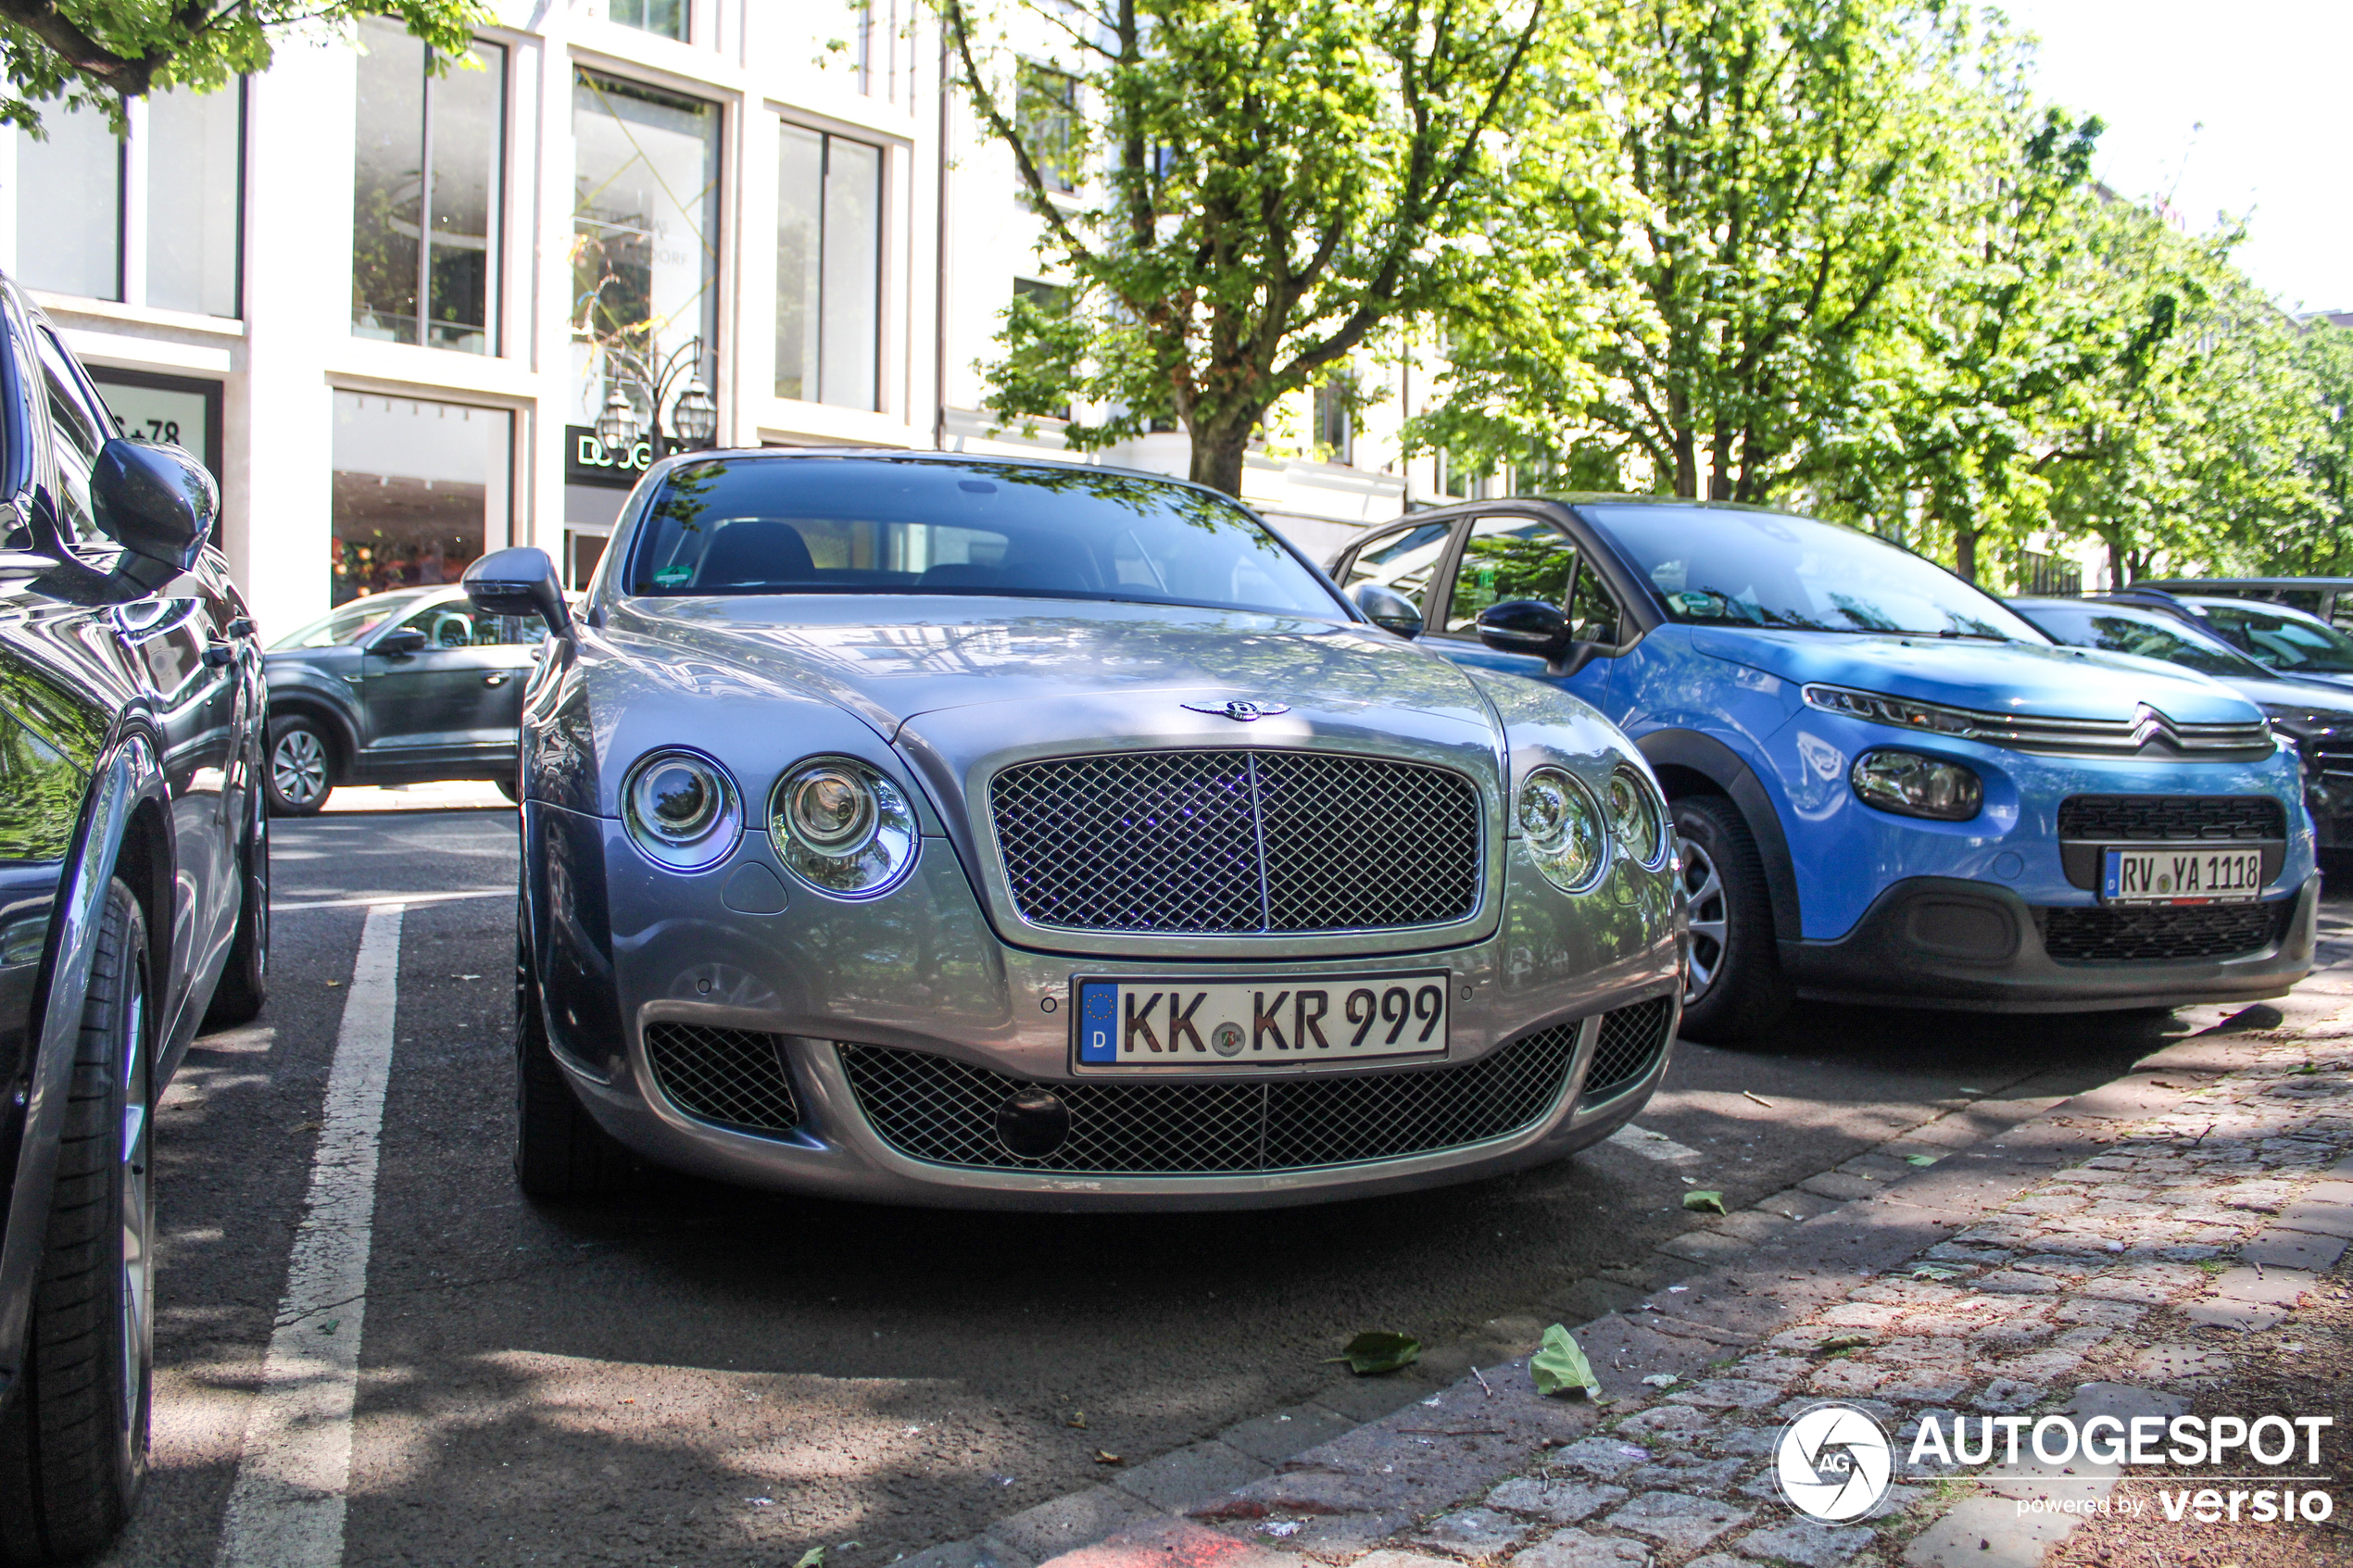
(2194, 582)
(909, 455)
(2264, 606)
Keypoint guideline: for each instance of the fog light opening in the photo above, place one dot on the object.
(1033, 1123)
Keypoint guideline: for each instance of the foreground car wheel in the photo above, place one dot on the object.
(1733, 987)
(244, 979)
(300, 774)
(560, 1150)
(73, 1445)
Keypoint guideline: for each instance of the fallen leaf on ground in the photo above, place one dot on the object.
(1931, 1271)
(1078, 1419)
(1843, 1342)
(333, 983)
(1560, 1367)
(813, 1558)
(1704, 1202)
(1104, 1456)
(761, 1502)
(1377, 1350)
(1661, 1380)
(1919, 1160)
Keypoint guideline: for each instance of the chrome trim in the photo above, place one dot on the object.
(2147, 734)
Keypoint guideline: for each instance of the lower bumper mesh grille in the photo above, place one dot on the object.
(944, 1113)
(1630, 1040)
(2112, 936)
(733, 1077)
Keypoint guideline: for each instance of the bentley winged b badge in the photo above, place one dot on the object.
(1241, 708)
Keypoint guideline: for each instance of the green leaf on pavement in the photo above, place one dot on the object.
(1561, 1368)
(1842, 1342)
(1704, 1202)
(813, 1558)
(1933, 1270)
(1377, 1350)
(1922, 1160)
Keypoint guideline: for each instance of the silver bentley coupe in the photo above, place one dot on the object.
(963, 831)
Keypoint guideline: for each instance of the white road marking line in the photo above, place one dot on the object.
(388, 900)
(1653, 1145)
(287, 1510)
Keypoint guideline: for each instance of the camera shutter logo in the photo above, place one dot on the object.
(1833, 1462)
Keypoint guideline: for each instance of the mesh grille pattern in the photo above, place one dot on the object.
(2113, 935)
(2166, 818)
(1238, 841)
(730, 1076)
(1630, 1040)
(932, 1108)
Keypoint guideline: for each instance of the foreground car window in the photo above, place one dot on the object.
(1764, 568)
(348, 623)
(2146, 636)
(859, 525)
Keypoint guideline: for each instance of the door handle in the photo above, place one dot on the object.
(494, 680)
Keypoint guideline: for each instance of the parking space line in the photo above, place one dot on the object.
(387, 899)
(287, 1510)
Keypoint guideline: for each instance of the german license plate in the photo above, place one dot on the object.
(2174, 876)
(1286, 1022)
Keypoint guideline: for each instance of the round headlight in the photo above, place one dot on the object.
(1634, 815)
(1562, 829)
(843, 827)
(680, 809)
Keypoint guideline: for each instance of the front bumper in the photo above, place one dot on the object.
(620, 947)
(1950, 943)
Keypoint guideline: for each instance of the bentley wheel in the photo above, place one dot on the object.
(560, 1150)
(244, 979)
(73, 1444)
(301, 770)
(1732, 984)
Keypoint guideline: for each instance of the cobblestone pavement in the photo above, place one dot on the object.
(2103, 1258)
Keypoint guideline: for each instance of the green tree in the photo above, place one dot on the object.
(95, 53)
(1271, 184)
(2324, 545)
(1709, 224)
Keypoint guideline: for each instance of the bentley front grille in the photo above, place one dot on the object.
(1242, 842)
(732, 1077)
(1628, 1047)
(944, 1113)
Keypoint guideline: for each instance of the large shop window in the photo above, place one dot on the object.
(426, 197)
(645, 244)
(178, 177)
(420, 490)
(828, 269)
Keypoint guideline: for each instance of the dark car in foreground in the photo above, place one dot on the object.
(412, 687)
(976, 831)
(2317, 720)
(134, 898)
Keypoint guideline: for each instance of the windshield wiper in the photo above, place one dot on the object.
(1985, 636)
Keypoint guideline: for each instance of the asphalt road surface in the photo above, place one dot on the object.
(701, 1375)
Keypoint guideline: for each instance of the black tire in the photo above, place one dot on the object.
(560, 1150)
(244, 979)
(1734, 988)
(73, 1443)
(299, 773)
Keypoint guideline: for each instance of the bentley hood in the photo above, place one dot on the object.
(2054, 682)
(941, 653)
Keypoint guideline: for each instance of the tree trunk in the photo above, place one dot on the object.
(1217, 456)
(1965, 550)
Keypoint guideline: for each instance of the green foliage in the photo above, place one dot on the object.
(94, 53)
(1260, 187)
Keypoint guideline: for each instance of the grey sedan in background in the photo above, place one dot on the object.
(410, 686)
(985, 832)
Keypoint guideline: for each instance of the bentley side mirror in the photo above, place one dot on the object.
(521, 581)
(1388, 610)
(401, 642)
(157, 503)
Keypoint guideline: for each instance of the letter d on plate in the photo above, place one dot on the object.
(1097, 1022)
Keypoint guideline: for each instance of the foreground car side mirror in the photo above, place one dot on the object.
(1388, 610)
(400, 643)
(159, 503)
(521, 581)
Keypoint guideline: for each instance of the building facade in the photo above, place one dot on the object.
(388, 303)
